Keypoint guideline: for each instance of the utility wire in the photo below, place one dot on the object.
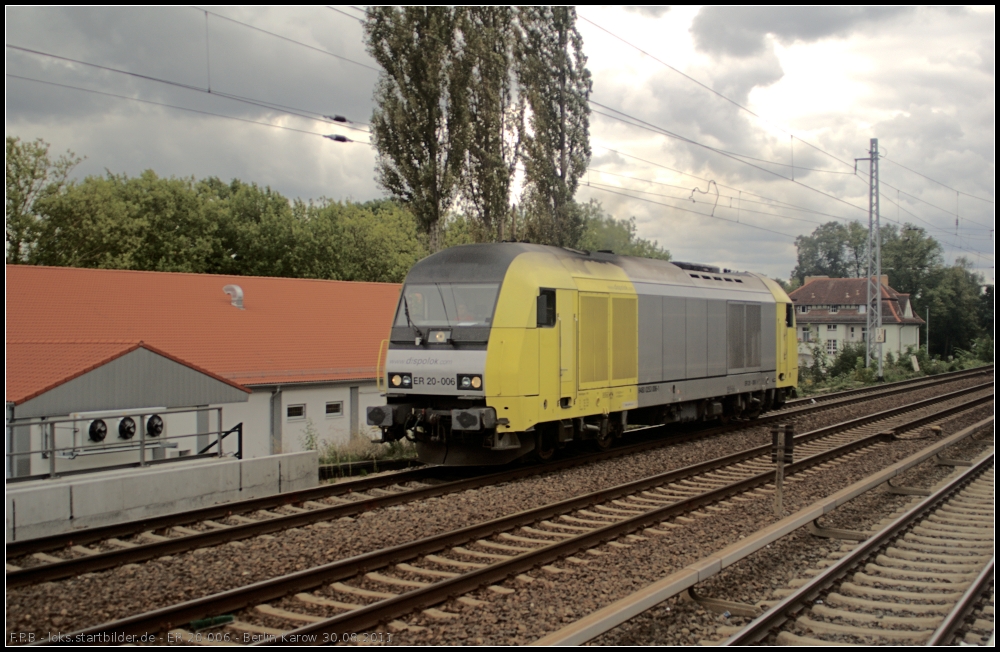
(729, 197)
(290, 40)
(889, 160)
(302, 113)
(758, 116)
(179, 108)
(608, 189)
(642, 124)
(360, 20)
(917, 217)
(713, 91)
(738, 190)
(716, 204)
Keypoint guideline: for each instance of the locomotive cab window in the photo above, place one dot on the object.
(546, 303)
(789, 315)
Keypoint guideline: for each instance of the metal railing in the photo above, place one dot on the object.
(62, 444)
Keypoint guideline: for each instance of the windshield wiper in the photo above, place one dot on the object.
(406, 311)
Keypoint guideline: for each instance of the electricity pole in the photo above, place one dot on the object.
(873, 342)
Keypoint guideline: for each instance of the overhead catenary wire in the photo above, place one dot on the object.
(889, 160)
(609, 189)
(713, 91)
(360, 20)
(174, 106)
(290, 40)
(302, 113)
(772, 200)
(717, 204)
(642, 124)
(763, 119)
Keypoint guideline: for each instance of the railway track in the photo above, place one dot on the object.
(887, 389)
(95, 549)
(915, 582)
(383, 585)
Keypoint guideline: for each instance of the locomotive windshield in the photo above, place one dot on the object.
(448, 304)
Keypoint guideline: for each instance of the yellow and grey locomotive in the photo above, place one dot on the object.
(502, 350)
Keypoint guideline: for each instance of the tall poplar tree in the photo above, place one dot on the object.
(496, 115)
(553, 75)
(419, 124)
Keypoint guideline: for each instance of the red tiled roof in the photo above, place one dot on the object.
(36, 366)
(291, 330)
(850, 292)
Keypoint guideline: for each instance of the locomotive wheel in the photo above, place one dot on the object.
(614, 432)
(545, 444)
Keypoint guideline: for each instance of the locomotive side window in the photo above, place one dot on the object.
(546, 308)
(789, 315)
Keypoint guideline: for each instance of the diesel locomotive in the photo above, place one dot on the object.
(499, 351)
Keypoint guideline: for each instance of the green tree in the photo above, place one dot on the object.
(495, 114)
(555, 81)
(261, 235)
(602, 231)
(31, 175)
(823, 252)
(910, 258)
(954, 296)
(856, 249)
(375, 242)
(89, 224)
(419, 124)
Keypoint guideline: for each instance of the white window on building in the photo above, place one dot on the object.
(803, 309)
(296, 412)
(862, 309)
(334, 409)
(834, 309)
(864, 333)
(831, 347)
(805, 333)
(831, 328)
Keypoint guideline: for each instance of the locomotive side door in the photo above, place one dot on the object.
(566, 316)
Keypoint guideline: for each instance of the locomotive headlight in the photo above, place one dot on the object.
(401, 380)
(468, 381)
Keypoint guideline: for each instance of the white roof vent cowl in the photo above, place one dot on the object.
(235, 293)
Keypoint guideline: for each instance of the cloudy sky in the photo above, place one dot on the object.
(755, 114)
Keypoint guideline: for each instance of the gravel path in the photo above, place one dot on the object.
(95, 598)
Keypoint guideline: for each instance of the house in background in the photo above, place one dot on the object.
(306, 349)
(832, 312)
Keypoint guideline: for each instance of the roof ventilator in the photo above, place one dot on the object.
(235, 293)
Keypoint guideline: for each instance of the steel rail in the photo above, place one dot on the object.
(789, 607)
(911, 383)
(343, 569)
(90, 535)
(110, 559)
(945, 633)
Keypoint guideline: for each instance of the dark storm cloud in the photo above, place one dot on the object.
(741, 31)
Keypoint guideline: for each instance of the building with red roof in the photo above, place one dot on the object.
(306, 349)
(832, 312)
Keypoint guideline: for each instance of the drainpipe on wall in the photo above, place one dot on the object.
(275, 445)
(355, 408)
